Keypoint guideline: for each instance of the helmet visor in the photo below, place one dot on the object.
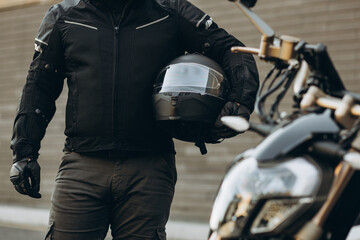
(190, 78)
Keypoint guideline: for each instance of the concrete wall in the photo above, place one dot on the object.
(8, 4)
(335, 23)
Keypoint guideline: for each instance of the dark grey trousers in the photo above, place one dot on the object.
(131, 193)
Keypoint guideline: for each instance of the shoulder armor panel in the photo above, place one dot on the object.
(188, 11)
(48, 22)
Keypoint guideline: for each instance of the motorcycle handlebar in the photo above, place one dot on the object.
(315, 96)
(334, 103)
(317, 59)
(250, 50)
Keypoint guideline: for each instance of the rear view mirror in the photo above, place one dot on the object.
(249, 3)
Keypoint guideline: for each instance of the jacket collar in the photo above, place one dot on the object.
(100, 4)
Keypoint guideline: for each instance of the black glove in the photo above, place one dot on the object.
(230, 109)
(25, 175)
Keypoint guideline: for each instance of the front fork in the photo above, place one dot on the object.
(344, 173)
(214, 236)
(314, 229)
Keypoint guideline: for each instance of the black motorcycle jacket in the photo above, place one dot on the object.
(110, 61)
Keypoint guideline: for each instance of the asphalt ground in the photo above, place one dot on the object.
(11, 233)
(25, 223)
(20, 233)
(19, 223)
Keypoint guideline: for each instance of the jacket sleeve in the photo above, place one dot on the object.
(43, 86)
(201, 34)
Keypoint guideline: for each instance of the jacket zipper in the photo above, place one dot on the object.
(116, 76)
(116, 65)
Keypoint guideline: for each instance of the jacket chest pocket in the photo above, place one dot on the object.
(153, 35)
(157, 21)
(82, 41)
(83, 54)
(154, 43)
(81, 24)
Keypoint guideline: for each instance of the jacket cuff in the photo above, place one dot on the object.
(26, 152)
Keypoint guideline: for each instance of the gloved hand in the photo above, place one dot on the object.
(229, 109)
(25, 175)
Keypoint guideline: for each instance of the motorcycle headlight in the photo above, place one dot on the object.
(275, 212)
(287, 185)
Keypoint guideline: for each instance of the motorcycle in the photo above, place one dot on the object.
(301, 181)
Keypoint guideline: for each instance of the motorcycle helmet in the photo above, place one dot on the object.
(188, 96)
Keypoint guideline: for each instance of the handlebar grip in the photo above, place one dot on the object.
(251, 50)
(333, 103)
(315, 96)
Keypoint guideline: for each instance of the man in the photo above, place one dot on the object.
(118, 168)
